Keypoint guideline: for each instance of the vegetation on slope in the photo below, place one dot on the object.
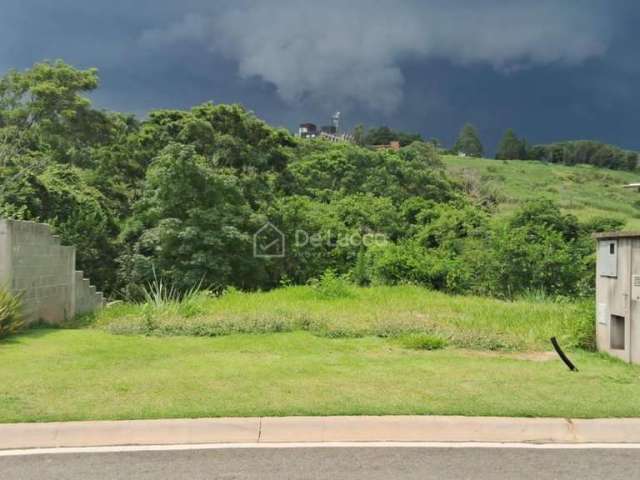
(585, 191)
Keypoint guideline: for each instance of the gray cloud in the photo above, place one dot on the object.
(336, 53)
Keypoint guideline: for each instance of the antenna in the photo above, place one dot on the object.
(335, 120)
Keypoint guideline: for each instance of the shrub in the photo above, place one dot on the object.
(10, 319)
(331, 286)
(423, 342)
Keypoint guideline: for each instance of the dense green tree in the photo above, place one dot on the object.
(468, 142)
(192, 225)
(323, 171)
(511, 147)
(78, 212)
(384, 136)
(46, 109)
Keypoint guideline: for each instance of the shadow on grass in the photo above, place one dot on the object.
(33, 331)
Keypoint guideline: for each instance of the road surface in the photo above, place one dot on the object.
(349, 463)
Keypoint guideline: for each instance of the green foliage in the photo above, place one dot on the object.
(511, 147)
(586, 152)
(78, 212)
(331, 286)
(324, 170)
(602, 224)
(583, 330)
(191, 225)
(10, 319)
(468, 142)
(423, 342)
(384, 136)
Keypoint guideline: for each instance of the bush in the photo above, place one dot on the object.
(423, 342)
(10, 319)
(331, 286)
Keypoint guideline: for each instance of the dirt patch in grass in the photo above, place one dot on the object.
(528, 356)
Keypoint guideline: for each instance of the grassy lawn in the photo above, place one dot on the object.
(312, 351)
(91, 374)
(463, 321)
(583, 190)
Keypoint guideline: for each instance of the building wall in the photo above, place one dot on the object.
(42, 272)
(614, 297)
(634, 326)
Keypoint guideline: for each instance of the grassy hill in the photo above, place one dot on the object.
(583, 190)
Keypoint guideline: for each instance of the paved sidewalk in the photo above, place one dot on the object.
(318, 429)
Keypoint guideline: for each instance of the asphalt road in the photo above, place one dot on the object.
(330, 463)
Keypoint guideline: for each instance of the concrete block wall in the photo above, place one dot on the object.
(87, 299)
(42, 272)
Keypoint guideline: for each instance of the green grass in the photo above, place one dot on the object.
(463, 321)
(583, 190)
(81, 374)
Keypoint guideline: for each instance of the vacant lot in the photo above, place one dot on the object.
(583, 190)
(91, 374)
(315, 351)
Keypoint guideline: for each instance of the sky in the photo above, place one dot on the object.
(551, 70)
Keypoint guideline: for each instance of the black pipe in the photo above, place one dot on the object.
(562, 355)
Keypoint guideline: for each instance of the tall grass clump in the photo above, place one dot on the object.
(10, 319)
(160, 304)
(334, 308)
(422, 342)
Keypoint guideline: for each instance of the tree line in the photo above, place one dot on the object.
(512, 147)
(570, 152)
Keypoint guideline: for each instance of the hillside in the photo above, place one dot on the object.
(582, 190)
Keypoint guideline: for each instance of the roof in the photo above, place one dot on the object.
(612, 235)
(632, 185)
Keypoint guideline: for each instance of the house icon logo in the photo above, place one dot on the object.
(268, 242)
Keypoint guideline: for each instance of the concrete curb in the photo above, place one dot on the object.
(318, 429)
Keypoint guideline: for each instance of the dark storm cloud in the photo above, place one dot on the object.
(551, 69)
(350, 52)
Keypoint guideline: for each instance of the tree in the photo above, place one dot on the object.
(59, 195)
(384, 136)
(46, 103)
(191, 225)
(468, 142)
(511, 147)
